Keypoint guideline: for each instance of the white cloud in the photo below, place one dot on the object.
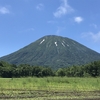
(51, 22)
(30, 29)
(94, 25)
(4, 10)
(95, 37)
(26, 30)
(63, 9)
(40, 6)
(59, 29)
(78, 19)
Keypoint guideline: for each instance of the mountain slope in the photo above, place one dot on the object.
(53, 51)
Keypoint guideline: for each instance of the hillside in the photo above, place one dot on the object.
(53, 51)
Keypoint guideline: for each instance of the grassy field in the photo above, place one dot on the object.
(50, 88)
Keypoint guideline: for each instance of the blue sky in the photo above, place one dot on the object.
(24, 21)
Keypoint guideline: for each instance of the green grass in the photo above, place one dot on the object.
(53, 88)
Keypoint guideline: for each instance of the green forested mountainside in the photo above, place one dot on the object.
(53, 51)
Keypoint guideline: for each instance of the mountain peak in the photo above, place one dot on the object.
(54, 51)
(55, 40)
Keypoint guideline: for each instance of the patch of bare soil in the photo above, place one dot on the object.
(23, 94)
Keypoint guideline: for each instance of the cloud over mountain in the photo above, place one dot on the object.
(63, 9)
(95, 37)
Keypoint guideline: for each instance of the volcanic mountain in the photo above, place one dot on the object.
(53, 51)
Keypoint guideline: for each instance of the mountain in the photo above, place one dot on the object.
(53, 51)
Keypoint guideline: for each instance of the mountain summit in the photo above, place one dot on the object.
(53, 51)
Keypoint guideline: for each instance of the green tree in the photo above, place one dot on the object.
(60, 72)
(37, 71)
(47, 72)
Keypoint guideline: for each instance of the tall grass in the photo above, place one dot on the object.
(51, 83)
(49, 88)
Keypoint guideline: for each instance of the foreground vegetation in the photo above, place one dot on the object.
(50, 88)
(43, 83)
(24, 70)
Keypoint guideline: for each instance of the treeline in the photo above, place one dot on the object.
(24, 70)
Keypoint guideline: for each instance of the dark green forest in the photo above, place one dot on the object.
(8, 70)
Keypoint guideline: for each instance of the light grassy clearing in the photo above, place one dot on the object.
(49, 88)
